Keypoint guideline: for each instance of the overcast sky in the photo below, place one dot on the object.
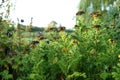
(45, 11)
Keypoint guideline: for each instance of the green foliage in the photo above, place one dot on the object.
(116, 73)
(5, 75)
(90, 52)
(104, 75)
(76, 76)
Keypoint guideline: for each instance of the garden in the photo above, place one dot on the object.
(91, 51)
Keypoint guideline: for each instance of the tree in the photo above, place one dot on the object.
(100, 6)
(95, 5)
(52, 25)
(6, 7)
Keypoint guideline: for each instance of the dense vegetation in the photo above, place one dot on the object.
(90, 52)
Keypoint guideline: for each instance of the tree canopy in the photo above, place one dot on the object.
(95, 5)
